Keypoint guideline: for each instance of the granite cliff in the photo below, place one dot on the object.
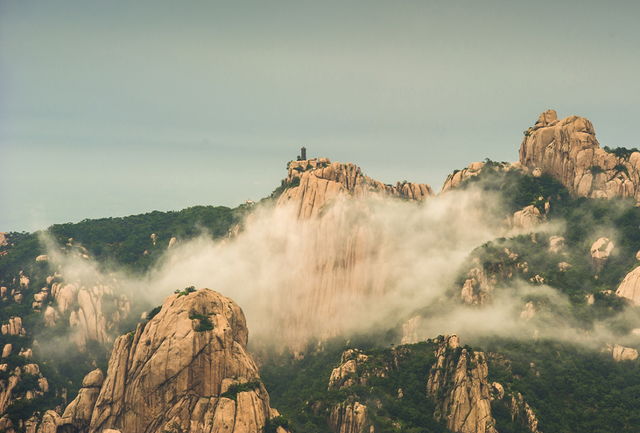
(187, 369)
(567, 150)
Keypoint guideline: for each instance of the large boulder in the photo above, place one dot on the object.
(567, 150)
(78, 412)
(187, 369)
(630, 287)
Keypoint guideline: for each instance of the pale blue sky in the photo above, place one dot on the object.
(115, 108)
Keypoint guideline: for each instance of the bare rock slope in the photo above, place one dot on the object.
(187, 369)
(466, 402)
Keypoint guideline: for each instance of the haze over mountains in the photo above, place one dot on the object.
(508, 302)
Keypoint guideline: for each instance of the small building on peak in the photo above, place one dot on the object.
(303, 154)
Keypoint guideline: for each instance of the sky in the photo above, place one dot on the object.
(118, 108)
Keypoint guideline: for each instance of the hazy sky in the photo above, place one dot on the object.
(116, 108)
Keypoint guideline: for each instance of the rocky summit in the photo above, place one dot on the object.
(185, 370)
(567, 150)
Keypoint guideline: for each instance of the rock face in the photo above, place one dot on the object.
(14, 327)
(475, 168)
(89, 320)
(621, 353)
(466, 406)
(343, 262)
(478, 287)
(527, 218)
(78, 413)
(630, 287)
(348, 417)
(188, 368)
(600, 252)
(321, 182)
(567, 150)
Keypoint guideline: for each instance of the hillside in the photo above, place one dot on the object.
(507, 303)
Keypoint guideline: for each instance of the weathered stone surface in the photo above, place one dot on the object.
(50, 422)
(555, 243)
(564, 266)
(600, 251)
(78, 413)
(6, 388)
(94, 379)
(170, 375)
(343, 375)
(621, 353)
(478, 287)
(567, 150)
(630, 287)
(322, 183)
(6, 350)
(348, 417)
(14, 327)
(466, 405)
(527, 218)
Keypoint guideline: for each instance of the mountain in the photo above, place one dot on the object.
(507, 303)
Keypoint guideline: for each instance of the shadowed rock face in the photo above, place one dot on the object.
(567, 150)
(176, 373)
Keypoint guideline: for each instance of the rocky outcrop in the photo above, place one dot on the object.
(341, 260)
(14, 327)
(567, 150)
(478, 287)
(348, 417)
(187, 369)
(98, 311)
(50, 422)
(521, 409)
(621, 353)
(458, 176)
(555, 243)
(322, 182)
(630, 287)
(345, 374)
(600, 252)
(527, 218)
(458, 383)
(78, 413)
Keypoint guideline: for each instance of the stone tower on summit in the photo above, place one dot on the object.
(303, 154)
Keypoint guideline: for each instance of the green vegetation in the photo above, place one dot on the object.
(571, 388)
(299, 388)
(620, 152)
(282, 188)
(237, 388)
(186, 291)
(124, 241)
(204, 323)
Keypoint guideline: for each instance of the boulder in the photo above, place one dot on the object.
(527, 218)
(187, 368)
(567, 150)
(621, 353)
(630, 287)
(50, 422)
(555, 243)
(600, 251)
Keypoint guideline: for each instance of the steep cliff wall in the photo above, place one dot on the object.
(187, 369)
(458, 382)
(342, 263)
